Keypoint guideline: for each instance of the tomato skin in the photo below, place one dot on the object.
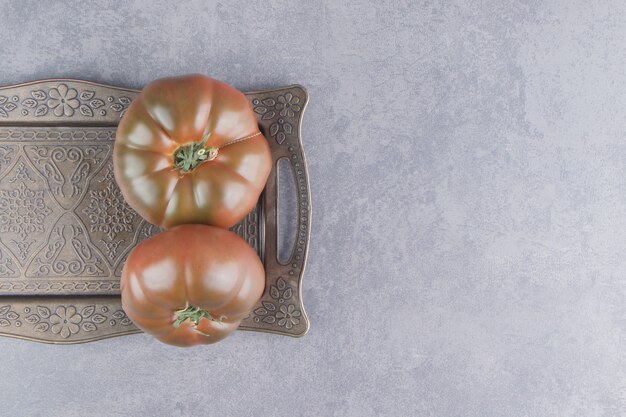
(174, 112)
(191, 265)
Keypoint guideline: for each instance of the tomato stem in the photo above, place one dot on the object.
(189, 156)
(194, 314)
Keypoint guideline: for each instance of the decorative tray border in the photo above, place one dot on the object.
(41, 297)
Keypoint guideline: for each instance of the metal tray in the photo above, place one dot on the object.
(65, 229)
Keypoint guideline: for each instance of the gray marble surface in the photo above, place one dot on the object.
(469, 237)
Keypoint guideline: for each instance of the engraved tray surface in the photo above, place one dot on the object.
(65, 229)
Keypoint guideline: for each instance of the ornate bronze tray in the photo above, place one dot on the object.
(65, 229)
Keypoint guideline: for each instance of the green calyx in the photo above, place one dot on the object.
(189, 156)
(194, 315)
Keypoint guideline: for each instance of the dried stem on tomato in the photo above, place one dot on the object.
(194, 314)
(187, 157)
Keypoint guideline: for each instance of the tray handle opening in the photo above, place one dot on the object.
(287, 211)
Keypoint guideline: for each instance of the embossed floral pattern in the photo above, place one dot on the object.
(284, 106)
(288, 105)
(22, 211)
(90, 104)
(111, 247)
(280, 130)
(63, 100)
(108, 212)
(7, 268)
(21, 174)
(5, 156)
(8, 317)
(281, 291)
(55, 260)
(23, 248)
(288, 316)
(66, 169)
(109, 175)
(119, 105)
(65, 321)
(279, 311)
(265, 108)
(7, 105)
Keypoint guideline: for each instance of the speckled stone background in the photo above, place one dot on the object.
(467, 164)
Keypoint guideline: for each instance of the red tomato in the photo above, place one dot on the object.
(192, 284)
(189, 150)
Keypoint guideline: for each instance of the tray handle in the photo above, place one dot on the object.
(281, 309)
